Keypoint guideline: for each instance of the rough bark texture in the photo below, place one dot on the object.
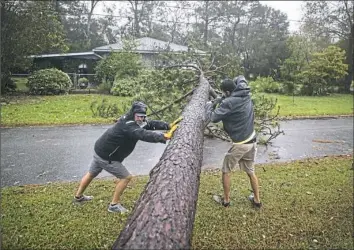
(164, 215)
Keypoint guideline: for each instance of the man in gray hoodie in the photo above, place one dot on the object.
(236, 112)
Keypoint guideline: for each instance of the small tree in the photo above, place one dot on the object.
(119, 64)
(323, 71)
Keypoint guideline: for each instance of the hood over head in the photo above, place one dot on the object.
(242, 88)
(137, 107)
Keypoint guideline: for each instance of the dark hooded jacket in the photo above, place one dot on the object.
(236, 112)
(119, 141)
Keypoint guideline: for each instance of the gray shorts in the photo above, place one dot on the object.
(243, 154)
(116, 168)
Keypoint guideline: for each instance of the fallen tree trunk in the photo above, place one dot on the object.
(163, 217)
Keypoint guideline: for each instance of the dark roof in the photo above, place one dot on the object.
(80, 55)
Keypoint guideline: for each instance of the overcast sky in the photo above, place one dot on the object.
(291, 8)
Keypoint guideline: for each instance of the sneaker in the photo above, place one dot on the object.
(221, 201)
(254, 204)
(117, 208)
(82, 199)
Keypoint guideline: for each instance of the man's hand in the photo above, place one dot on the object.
(218, 99)
(175, 122)
(169, 134)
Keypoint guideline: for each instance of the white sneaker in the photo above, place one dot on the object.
(82, 199)
(117, 208)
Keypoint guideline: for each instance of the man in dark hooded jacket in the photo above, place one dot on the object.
(236, 112)
(116, 144)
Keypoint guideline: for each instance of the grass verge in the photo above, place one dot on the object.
(75, 109)
(335, 104)
(55, 110)
(306, 204)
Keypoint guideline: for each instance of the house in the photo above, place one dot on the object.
(146, 46)
(82, 64)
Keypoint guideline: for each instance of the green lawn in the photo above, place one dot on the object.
(307, 204)
(75, 109)
(336, 104)
(55, 110)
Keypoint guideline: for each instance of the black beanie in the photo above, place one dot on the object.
(227, 85)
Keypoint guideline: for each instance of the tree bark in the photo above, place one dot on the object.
(349, 77)
(163, 216)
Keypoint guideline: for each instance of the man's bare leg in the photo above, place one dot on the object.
(85, 181)
(255, 186)
(226, 182)
(119, 189)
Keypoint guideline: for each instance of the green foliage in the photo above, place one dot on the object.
(118, 65)
(158, 88)
(7, 84)
(83, 80)
(21, 84)
(105, 86)
(300, 49)
(324, 69)
(20, 39)
(49, 81)
(125, 86)
(263, 105)
(290, 87)
(107, 109)
(265, 84)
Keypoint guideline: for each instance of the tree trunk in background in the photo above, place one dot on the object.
(349, 77)
(206, 25)
(164, 215)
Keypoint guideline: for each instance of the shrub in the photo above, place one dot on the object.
(124, 87)
(105, 86)
(265, 84)
(7, 84)
(83, 82)
(290, 88)
(323, 71)
(49, 81)
(107, 109)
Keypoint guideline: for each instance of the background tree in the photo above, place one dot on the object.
(323, 70)
(333, 19)
(20, 39)
(140, 16)
(82, 30)
(263, 39)
(299, 52)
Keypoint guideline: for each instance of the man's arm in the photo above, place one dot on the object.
(219, 113)
(137, 133)
(156, 125)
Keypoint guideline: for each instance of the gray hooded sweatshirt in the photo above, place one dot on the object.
(236, 113)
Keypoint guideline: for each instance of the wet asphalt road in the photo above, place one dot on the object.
(35, 155)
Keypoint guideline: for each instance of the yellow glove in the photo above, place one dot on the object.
(169, 134)
(176, 121)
